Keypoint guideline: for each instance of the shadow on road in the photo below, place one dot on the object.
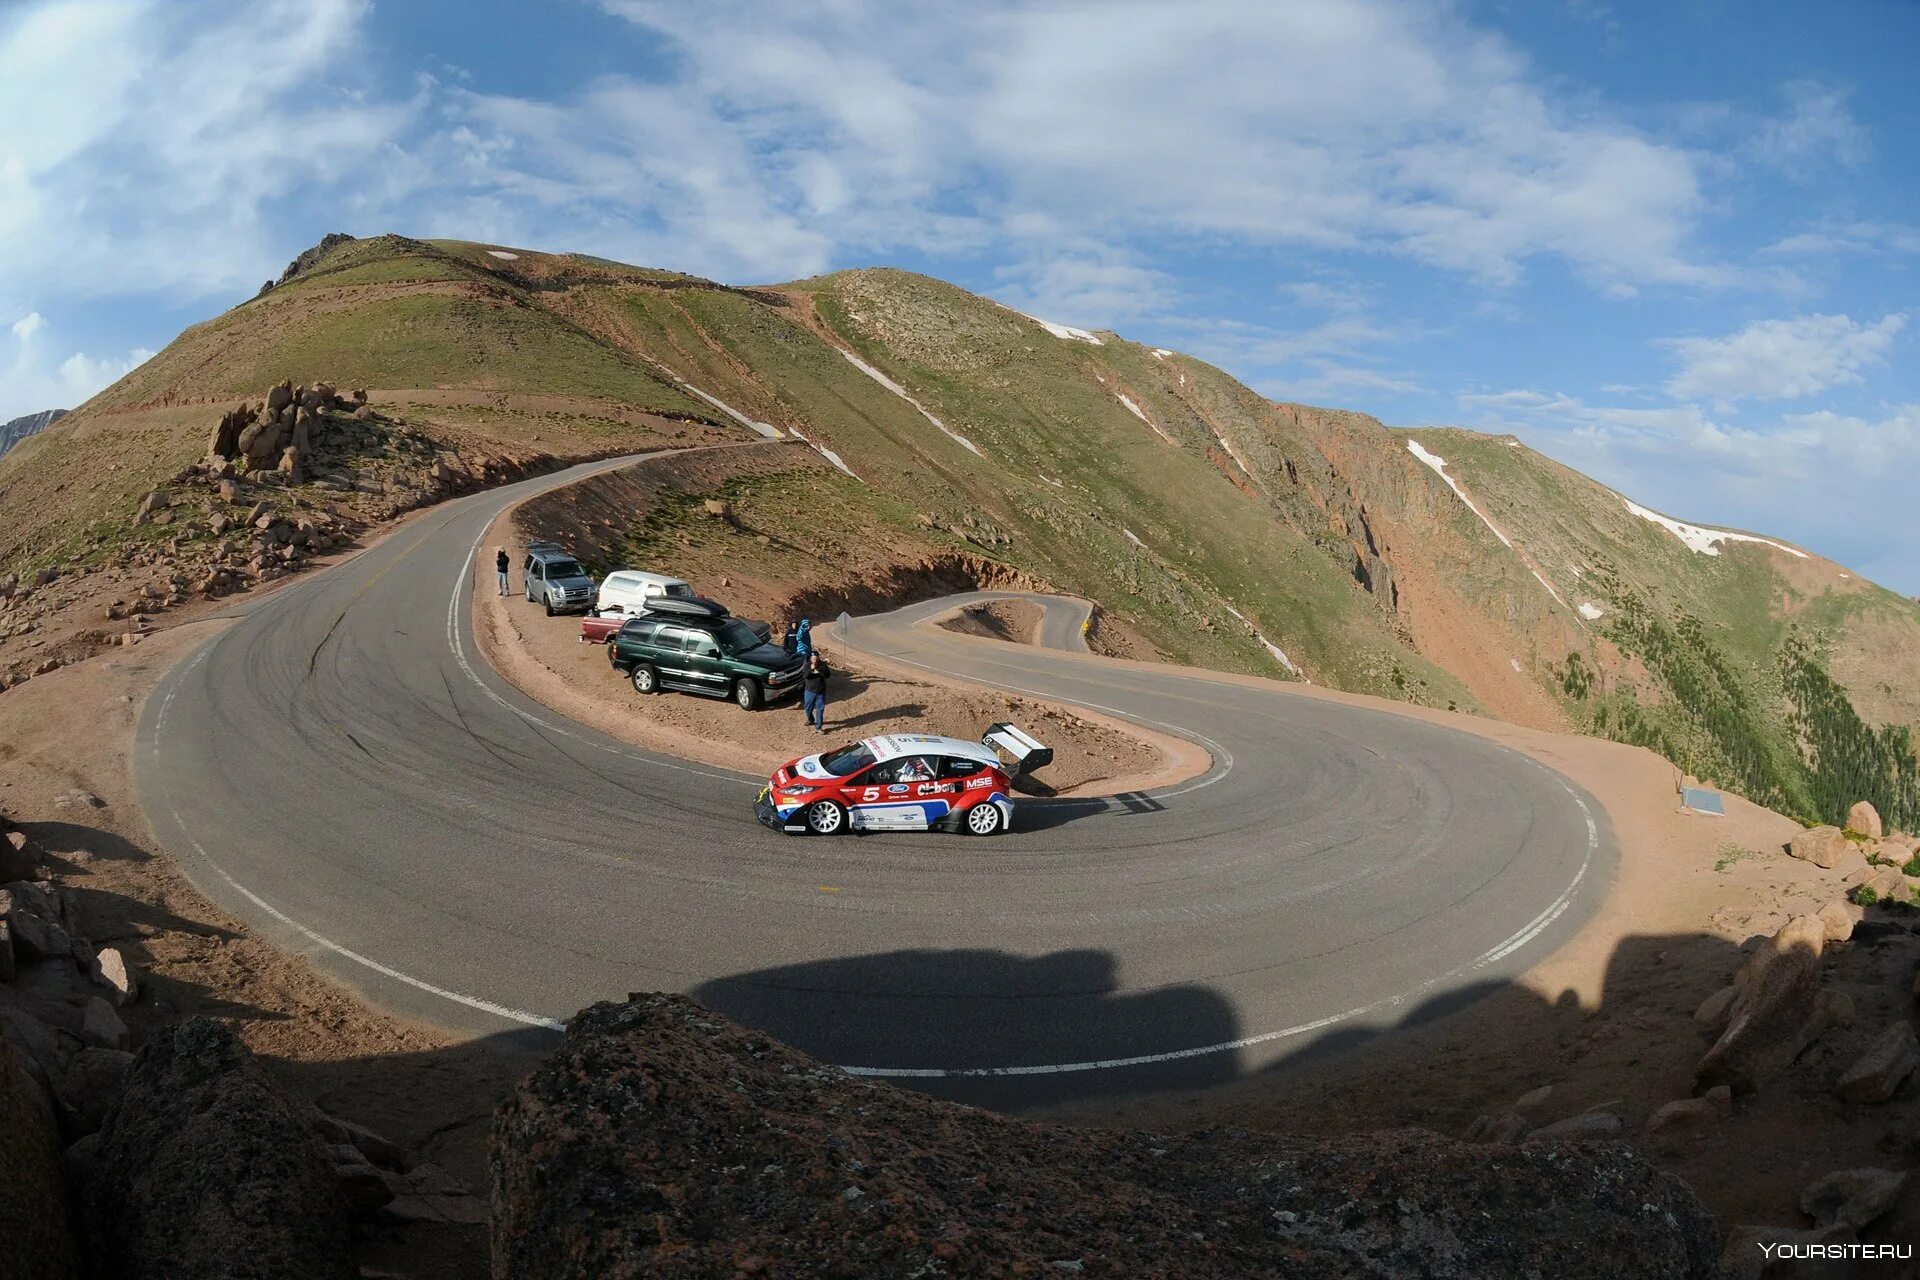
(958, 1010)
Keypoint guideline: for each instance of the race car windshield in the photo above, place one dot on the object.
(847, 760)
(738, 637)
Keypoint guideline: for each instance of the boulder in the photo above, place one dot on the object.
(1865, 819)
(1581, 1128)
(1692, 1113)
(1822, 846)
(112, 970)
(1886, 884)
(1506, 1128)
(1889, 1060)
(33, 1195)
(91, 1085)
(1839, 917)
(1852, 1197)
(204, 1168)
(603, 1163)
(1778, 996)
(19, 857)
(101, 1026)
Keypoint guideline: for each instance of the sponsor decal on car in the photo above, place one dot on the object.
(974, 784)
(898, 789)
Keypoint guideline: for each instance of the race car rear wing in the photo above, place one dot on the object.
(1023, 751)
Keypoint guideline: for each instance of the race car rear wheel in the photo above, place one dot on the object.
(985, 819)
(826, 818)
(645, 678)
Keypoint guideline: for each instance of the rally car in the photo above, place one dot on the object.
(900, 782)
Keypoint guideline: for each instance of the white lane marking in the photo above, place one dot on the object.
(1527, 933)
(472, 1002)
(319, 939)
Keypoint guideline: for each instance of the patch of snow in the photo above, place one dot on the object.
(901, 391)
(1279, 654)
(1134, 539)
(503, 255)
(1233, 453)
(1541, 578)
(1513, 444)
(1591, 611)
(1137, 412)
(1705, 541)
(1065, 331)
(1439, 466)
(1161, 353)
(766, 429)
(824, 452)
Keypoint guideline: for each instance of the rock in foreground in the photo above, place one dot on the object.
(663, 1140)
(205, 1169)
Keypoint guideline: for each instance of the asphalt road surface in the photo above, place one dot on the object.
(343, 770)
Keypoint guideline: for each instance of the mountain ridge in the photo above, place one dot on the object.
(1432, 564)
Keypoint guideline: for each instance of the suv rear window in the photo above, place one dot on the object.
(639, 629)
(679, 591)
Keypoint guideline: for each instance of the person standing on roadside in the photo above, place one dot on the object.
(500, 567)
(803, 639)
(813, 692)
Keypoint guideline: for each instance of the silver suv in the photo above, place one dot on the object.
(555, 579)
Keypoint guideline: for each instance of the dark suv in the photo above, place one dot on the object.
(697, 647)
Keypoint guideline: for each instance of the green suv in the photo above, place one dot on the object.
(697, 647)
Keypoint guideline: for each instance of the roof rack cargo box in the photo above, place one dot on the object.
(1026, 752)
(675, 606)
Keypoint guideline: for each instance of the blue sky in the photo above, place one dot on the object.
(1675, 245)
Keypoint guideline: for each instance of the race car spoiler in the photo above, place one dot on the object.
(1025, 752)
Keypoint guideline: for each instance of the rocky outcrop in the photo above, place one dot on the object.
(33, 1195)
(204, 1168)
(1865, 819)
(12, 433)
(280, 435)
(663, 1140)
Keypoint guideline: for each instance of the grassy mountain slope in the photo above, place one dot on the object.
(1224, 529)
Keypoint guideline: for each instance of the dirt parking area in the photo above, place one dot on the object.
(545, 658)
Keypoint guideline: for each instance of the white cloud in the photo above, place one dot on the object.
(781, 141)
(1816, 131)
(35, 377)
(150, 146)
(1781, 359)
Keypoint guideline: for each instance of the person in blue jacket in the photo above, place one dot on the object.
(803, 639)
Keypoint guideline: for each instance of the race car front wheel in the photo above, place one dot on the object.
(645, 679)
(825, 818)
(985, 819)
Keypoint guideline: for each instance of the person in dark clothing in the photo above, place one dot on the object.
(813, 692)
(500, 567)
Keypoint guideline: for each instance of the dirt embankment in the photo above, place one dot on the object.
(545, 658)
(1011, 620)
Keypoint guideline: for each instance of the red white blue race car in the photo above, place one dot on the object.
(900, 782)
